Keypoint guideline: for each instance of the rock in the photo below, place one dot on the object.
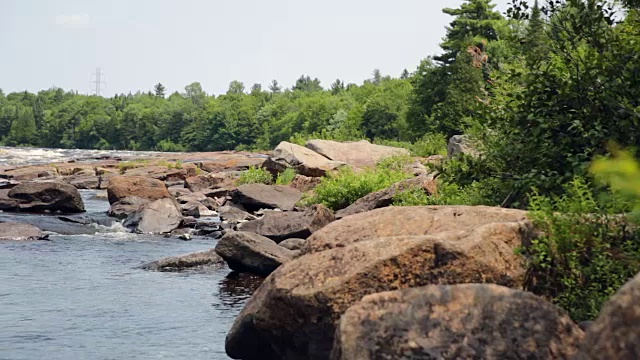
(304, 183)
(358, 154)
(157, 217)
(217, 193)
(248, 252)
(8, 184)
(315, 289)
(409, 220)
(304, 160)
(202, 182)
(278, 225)
(127, 206)
(185, 262)
(177, 191)
(191, 197)
(293, 243)
(20, 232)
(461, 144)
(384, 198)
(126, 186)
(83, 181)
(232, 214)
(231, 162)
(470, 321)
(196, 210)
(29, 173)
(259, 196)
(615, 334)
(42, 196)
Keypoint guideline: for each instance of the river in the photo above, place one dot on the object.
(82, 296)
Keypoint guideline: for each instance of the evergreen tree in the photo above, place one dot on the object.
(274, 87)
(306, 84)
(475, 20)
(405, 74)
(337, 87)
(535, 37)
(159, 90)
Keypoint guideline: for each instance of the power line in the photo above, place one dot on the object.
(98, 81)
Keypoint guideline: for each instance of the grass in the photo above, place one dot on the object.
(286, 177)
(126, 165)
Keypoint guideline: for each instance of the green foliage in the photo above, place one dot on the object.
(476, 193)
(343, 188)
(286, 177)
(169, 146)
(126, 165)
(585, 253)
(255, 175)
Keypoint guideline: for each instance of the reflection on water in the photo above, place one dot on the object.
(237, 288)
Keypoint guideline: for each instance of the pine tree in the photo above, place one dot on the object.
(475, 21)
(405, 74)
(159, 90)
(274, 87)
(535, 36)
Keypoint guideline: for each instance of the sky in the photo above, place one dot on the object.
(138, 43)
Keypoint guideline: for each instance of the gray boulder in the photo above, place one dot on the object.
(20, 232)
(259, 196)
(461, 144)
(185, 262)
(158, 217)
(279, 225)
(304, 160)
(249, 252)
(293, 244)
(358, 154)
(42, 196)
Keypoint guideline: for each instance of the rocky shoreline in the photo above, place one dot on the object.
(370, 281)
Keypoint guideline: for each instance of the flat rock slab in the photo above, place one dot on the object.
(358, 154)
(139, 186)
(14, 231)
(470, 321)
(259, 196)
(185, 262)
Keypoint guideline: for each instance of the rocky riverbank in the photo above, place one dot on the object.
(370, 281)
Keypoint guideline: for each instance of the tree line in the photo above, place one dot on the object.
(542, 89)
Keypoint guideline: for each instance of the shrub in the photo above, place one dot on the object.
(286, 177)
(255, 175)
(585, 253)
(169, 146)
(126, 165)
(448, 194)
(430, 144)
(343, 188)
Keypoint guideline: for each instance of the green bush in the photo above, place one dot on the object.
(255, 175)
(585, 253)
(477, 193)
(343, 188)
(430, 144)
(286, 177)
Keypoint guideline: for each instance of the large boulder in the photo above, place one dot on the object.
(461, 144)
(408, 220)
(470, 321)
(384, 198)
(142, 187)
(249, 252)
(316, 289)
(304, 160)
(279, 225)
(191, 261)
(127, 206)
(20, 232)
(157, 217)
(358, 154)
(615, 334)
(196, 209)
(259, 196)
(233, 214)
(293, 243)
(42, 196)
(305, 183)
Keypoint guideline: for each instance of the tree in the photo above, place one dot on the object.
(534, 42)
(274, 87)
(194, 92)
(159, 90)
(377, 77)
(337, 87)
(23, 130)
(405, 74)
(256, 89)
(235, 87)
(306, 84)
(475, 20)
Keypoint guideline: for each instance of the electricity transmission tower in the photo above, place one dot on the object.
(97, 82)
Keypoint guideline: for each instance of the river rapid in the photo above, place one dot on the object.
(81, 295)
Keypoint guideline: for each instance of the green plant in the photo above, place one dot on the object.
(255, 175)
(286, 177)
(476, 193)
(343, 188)
(126, 165)
(430, 144)
(584, 253)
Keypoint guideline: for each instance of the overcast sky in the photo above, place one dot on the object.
(138, 43)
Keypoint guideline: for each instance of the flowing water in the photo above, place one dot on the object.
(81, 295)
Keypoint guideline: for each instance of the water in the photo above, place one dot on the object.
(81, 296)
